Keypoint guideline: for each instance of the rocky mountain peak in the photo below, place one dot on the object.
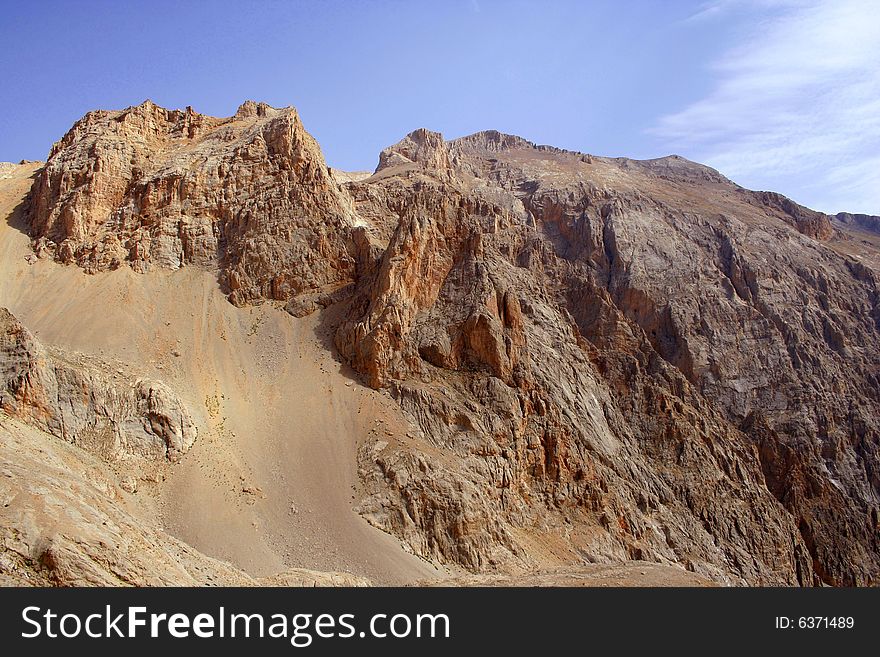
(676, 167)
(422, 147)
(252, 109)
(148, 186)
(492, 141)
(621, 359)
(866, 222)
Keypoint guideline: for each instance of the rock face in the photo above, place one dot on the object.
(867, 222)
(150, 187)
(68, 514)
(84, 403)
(639, 358)
(601, 359)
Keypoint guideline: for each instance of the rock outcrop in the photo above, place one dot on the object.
(867, 222)
(150, 187)
(83, 402)
(601, 359)
(640, 357)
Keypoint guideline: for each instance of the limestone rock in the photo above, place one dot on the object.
(810, 223)
(6, 169)
(588, 343)
(421, 147)
(865, 221)
(150, 187)
(87, 404)
(600, 359)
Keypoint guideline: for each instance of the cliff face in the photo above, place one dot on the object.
(642, 347)
(601, 359)
(250, 195)
(867, 222)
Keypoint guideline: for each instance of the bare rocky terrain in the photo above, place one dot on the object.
(486, 362)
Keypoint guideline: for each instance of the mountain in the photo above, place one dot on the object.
(512, 358)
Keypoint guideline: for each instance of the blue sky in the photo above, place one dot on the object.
(777, 94)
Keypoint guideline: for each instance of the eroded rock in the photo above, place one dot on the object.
(600, 359)
(84, 402)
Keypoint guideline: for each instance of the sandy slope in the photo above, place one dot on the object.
(630, 573)
(65, 521)
(271, 481)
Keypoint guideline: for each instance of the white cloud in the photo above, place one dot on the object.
(718, 8)
(796, 104)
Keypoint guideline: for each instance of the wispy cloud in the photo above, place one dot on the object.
(714, 9)
(796, 103)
